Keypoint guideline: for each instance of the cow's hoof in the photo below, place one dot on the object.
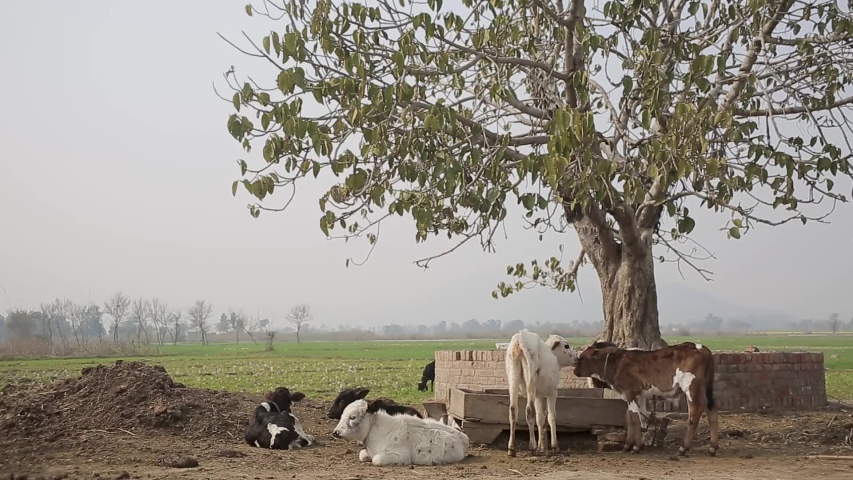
(511, 452)
(626, 448)
(636, 449)
(712, 451)
(682, 451)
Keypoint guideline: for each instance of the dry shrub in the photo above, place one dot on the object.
(44, 348)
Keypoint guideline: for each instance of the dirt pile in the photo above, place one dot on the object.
(129, 396)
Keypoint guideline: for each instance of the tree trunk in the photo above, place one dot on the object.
(626, 271)
(297, 334)
(631, 304)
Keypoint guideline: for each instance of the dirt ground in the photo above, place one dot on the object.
(127, 420)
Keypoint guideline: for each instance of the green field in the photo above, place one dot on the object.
(390, 368)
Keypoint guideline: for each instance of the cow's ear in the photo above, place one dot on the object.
(374, 406)
(297, 396)
(361, 393)
(556, 345)
(267, 395)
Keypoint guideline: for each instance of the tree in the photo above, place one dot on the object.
(834, 322)
(299, 316)
(177, 325)
(93, 321)
(61, 313)
(47, 313)
(77, 315)
(139, 319)
(158, 313)
(620, 123)
(224, 324)
(20, 324)
(116, 307)
(237, 322)
(199, 313)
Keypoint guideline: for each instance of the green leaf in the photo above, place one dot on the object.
(266, 42)
(324, 226)
(234, 188)
(236, 100)
(693, 8)
(290, 43)
(734, 232)
(627, 84)
(686, 225)
(249, 9)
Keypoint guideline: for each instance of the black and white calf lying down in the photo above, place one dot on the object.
(400, 439)
(350, 395)
(274, 426)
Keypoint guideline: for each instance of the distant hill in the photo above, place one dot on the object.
(680, 304)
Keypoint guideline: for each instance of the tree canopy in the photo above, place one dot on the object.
(614, 120)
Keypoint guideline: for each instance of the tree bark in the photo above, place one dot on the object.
(631, 304)
(626, 271)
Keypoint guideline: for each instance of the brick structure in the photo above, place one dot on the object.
(743, 381)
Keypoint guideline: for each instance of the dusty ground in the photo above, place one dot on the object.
(121, 421)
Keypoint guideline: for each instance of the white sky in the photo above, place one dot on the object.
(116, 169)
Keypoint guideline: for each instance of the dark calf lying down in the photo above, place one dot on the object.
(274, 426)
(638, 375)
(350, 395)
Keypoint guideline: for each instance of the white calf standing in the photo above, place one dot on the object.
(536, 364)
(400, 439)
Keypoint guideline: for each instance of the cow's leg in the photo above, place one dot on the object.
(552, 421)
(634, 434)
(541, 412)
(363, 456)
(715, 430)
(694, 414)
(629, 430)
(515, 380)
(637, 409)
(529, 413)
(388, 458)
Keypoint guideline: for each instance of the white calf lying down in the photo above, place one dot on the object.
(400, 439)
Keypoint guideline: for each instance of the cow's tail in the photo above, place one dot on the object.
(528, 360)
(709, 383)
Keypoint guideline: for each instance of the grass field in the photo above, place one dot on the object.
(392, 368)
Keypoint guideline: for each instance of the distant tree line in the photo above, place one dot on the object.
(141, 321)
(715, 324)
(150, 321)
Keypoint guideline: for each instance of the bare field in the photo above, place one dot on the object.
(127, 417)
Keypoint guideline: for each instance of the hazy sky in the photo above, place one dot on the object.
(116, 170)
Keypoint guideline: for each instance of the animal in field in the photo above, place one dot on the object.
(349, 395)
(638, 375)
(535, 365)
(274, 426)
(400, 439)
(428, 376)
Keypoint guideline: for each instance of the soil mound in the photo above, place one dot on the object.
(129, 396)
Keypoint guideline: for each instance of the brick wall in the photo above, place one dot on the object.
(742, 381)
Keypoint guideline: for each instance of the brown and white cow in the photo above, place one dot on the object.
(638, 375)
